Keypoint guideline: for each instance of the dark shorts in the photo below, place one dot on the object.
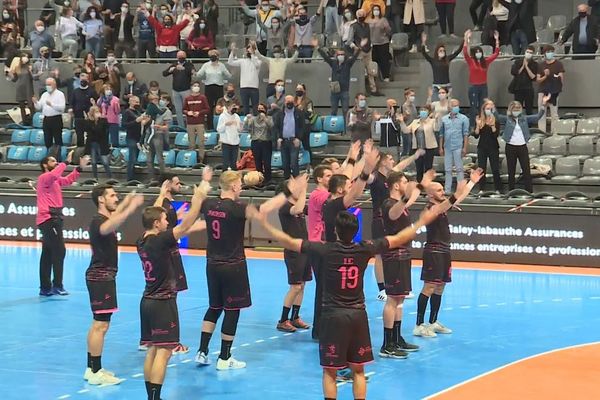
(103, 296)
(298, 267)
(344, 338)
(178, 270)
(437, 267)
(377, 229)
(160, 322)
(396, 277)
(228, 286)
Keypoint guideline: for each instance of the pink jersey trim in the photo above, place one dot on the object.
(111, 310)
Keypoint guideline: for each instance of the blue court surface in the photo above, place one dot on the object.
(498, 317)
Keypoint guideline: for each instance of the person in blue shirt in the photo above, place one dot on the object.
(454, 133)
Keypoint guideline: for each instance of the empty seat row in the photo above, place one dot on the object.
(35, 137)
(589, 126)
(569, 170)
(30, 154)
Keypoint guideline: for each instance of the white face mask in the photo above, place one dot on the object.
(348, 16)
(148, 5)
(93, 14)
(5, 15)
(196, 89)
(202, 26)
(341, 59)
(441, 54)
(442, 96)
(411, 99)
(39, 29)
(478, 55)
(110, 59)
(376, 13)
(265, 8)
(124, 10)
(528, 55)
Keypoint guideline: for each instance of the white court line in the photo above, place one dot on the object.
(519, 302)
(412, 313)
(594, 297)
(500, 304)
(259, 341)
(506, 366)
(64, 396)
(483, 305)
(465, 307)
(538, 301)
(245, 344)
(274, 337)
(137, 375)
(82, 391)
(216, 352)
(187, 360)
(446, 309)
(576, 298)
(171, 365)
(288, 334)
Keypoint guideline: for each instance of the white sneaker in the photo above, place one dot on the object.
(413, 49)
(410, 295)
(104, 379)
(202, 358)
(88, 373)
(382, 296)
(143, 347)
(423, 331)
(439, 328)
(231, 363)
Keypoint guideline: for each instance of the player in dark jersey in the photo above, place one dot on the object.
(158, 309)
(101, 274)
(226, 269)
(344, 339)
(436, 271)
(292, 217)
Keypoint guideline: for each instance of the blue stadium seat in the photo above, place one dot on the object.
(122, 139)
(63, 152)
(37, 137)
(304, 158)
(17, 153)
(142, 158)
(187, 158)
(124, 151)
(333, 124)
(20, 137)
(215, 121)
(211, 138)
(36, 153)
(37, 120)
(67, 137)
(317, 126)
(176, 128)
(245, 141)
(276, 162)
(169, 157)
(182, 140)
(318, 140)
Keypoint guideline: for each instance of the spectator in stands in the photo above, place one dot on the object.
(109, 9)
(200, 40)
(445, 9)
(134, 121)
(520, 26)
(347, 21)
(524, 71)
(228, 97)
(122, 32)
(93, 30)
(249, 70)
(381, 33)
(229, 129)
(80, 100)
(146, 41)
(40, 37)
(422, 130)
(585, 32)
(551, 76)
(52, 104)
(339, 85)
(288, 129)
(115, 71)
(9, 42)
(332, 19)
(191, 17)
(500, 15)
(110, 108)
(71, 83)
(454, 135)
(301, 32)
(67, 28)
(276, 33)
(20, 73)
(483, 6)
(133, 88)
(440, 64)
(409, 114)
(440, 107)
(395, 14)
(196, 109)
(478, 69)
(276, 101)
(360, 37)
(160, 140)
(263, 13)
(214, 74)
(367, 6)
(97, 140)
(390, 125)
(487, 129)
(182, 71)
(277, 67)
(261, 137)
(18, 10)
(42, 69)
(89, 66)
(305, 104)
(516, 135)
(414, 20)
(167, 33)
(210, 11)
(361, 119)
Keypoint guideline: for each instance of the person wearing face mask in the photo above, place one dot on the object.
(196, 110)
(361, 119)
(260, 129)
(478, 72)
(66, 29)
(192, 18)
(229, 129)
(159, 139)
(42, 69)
(16, 10)
(263, 13)
(153, 90)
(134, 122)
(20, 73)
(347, 21)
(115, 72)
(422, 130)
(360, 37)
(585, 32)
(440, 107)
(516, 135)
(454, 134)
(520, 25)
(381, 33)
(110, 108)
(80, 101)
(332, 19)
(92, 30)
(550, 79)
(414, 19)
(52, 105)
(276, 33)
(288, 129)
(524, 71)
(277, 67)
(214, 74)
(301, 32)
(146, 41)
(182, 72)
(249, 70)
(122, 32)
(276, 101)
(40, 37)
(228, 97)
(109, 9)
(445, 9)
(368, 6)
(167, 33)
(133, 88)
(97, 141)
(200, 40)
(409, 114)
(305, 104)
(440, 64)
(487, 129)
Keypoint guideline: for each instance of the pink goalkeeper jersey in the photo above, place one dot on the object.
(316, 226)
(49, 193)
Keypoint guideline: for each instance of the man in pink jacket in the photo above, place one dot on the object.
(50, 223)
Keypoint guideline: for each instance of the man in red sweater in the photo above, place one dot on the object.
(50, 223)
(167, 33)
(196, 108)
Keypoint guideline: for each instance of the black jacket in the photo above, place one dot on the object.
(127, 31)
(278, 124)
(79, 100)
(182, 78)
(573, 30)
(521, 16)
(139, 89)
(97, 132)
(133, 128)
(339, 72)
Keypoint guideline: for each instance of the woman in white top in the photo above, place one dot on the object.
(67, 31)
(501, 14)
(213, 74)
(440, 107)
(423, 137)
(229, 128)
(347, 20)
(192, 17)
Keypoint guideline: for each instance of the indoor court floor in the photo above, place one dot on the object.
(519, 333)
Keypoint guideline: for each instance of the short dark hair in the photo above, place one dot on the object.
(359, 94)
(100, 190)
(530, 47)
(283, 188)
(44, 161)
(336, 181)
(166, 176)
(547, 48)
(320, 171)
(346, 226)
(394, 177)
(382, 156)
(150, 215)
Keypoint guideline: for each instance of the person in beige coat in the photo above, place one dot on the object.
(414, 19)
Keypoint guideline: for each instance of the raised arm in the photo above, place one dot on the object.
(349, 163)
(298, 208)
(129, 204)
(283, 238)
(401, 166)
(371, 155)
(200, 193)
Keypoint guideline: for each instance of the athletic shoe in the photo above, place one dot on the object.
(437, 327)
(143, 347)
(413, 49)
(104, 379)
(391, 351)
(230, 363)
(402, 344)
(88, 373)
(382, 296)
(298, 323)
(346, 375)
(423, 331)
(202, 358)
(410, 295)
(46, 292)
(59, 291)
(286, 326)
(180, 349)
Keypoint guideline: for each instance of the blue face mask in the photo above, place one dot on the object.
(162, 103)
(49, 89)
(516, 114)
(455, 109)
(549, 55)
(423, 114)
(362, 103)
(488, 113)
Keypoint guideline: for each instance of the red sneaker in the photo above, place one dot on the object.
(298, 323)
(285, 326)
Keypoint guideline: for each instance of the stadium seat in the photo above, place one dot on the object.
(211, 138)
(169, 157)
(17, 153)
(182, 140)
(276, 162)
(333, 124)
(557, 23)
(38, 119)
(318, 140)
(20, 137)
(215, 121)
(538, 22)
(588, 127)
(67, 137)
(564, 127)
(554, 147)
(475, 38)
(534, 146)
(590, 174)
(472, 146)
(317, 126)
(504, 169)
(37, 137)
(124, 151)
(304, 158)
(502, 145)
(545, 36)
(566, 170)
(487, 50)
(245, 141)
(581, 147)
(438, 164)
(142, 158)
(36, 153)
(122, 139)
(186, 159)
